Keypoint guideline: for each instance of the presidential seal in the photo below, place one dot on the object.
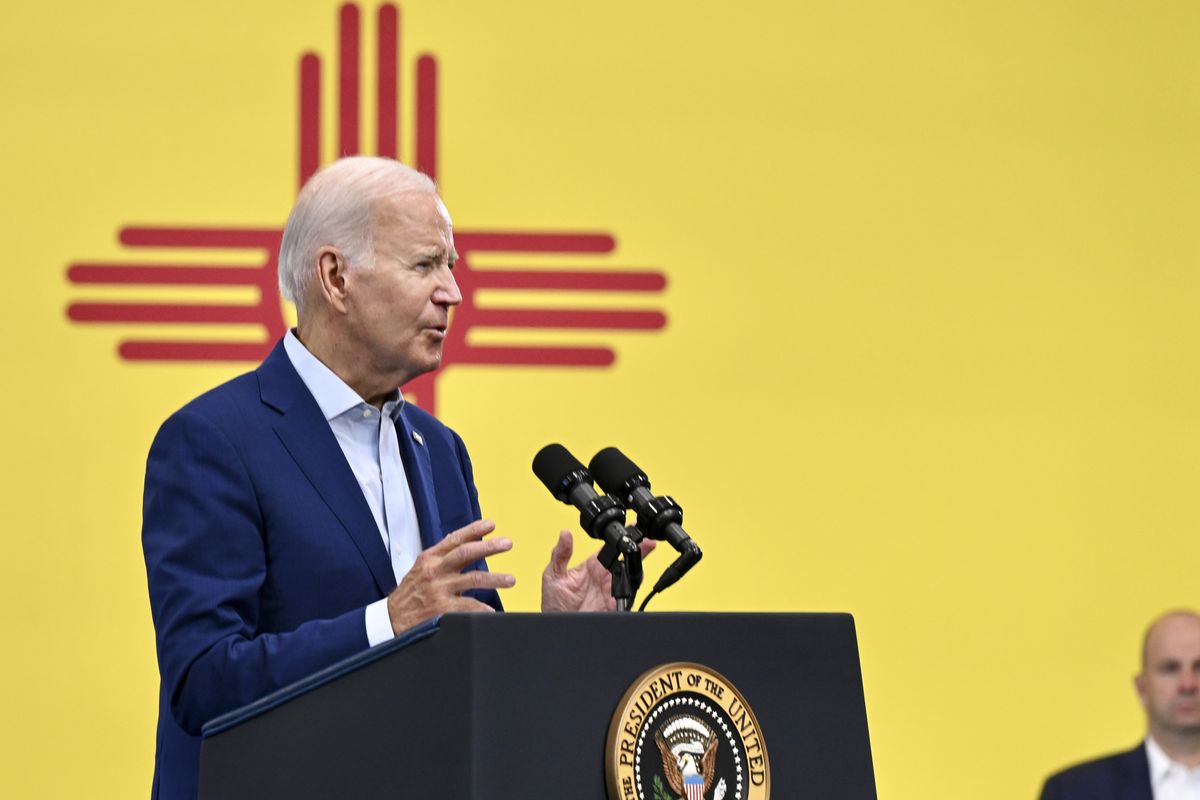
(683, 732)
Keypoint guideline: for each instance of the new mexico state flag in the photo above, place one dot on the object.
(897, 299)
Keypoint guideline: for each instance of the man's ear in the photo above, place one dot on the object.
(331, 277)
(1139, 685)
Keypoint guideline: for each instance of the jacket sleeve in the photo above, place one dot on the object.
(203, 540)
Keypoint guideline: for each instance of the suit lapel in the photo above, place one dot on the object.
(417, 468)
(306, 435)
(1135, 775)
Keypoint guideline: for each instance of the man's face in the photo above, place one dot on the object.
(400, 309)
(1169, 684)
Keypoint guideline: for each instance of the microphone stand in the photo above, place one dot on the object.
(620, 555)
(625, 564)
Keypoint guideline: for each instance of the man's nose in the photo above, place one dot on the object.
(447, 293)
(1189, 682)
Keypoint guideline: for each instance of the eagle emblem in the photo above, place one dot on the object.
(689, 754)
(708, 741)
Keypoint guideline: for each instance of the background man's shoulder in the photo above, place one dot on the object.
(1104, 778)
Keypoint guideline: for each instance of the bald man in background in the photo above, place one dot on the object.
(1166, 766)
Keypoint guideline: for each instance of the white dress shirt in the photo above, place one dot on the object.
(1169, 779)
(372, 450)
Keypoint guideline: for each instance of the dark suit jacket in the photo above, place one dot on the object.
(1123, 776)
(261, 551)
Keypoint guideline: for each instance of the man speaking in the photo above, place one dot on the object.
(303, 512)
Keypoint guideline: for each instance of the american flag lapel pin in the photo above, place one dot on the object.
(418, 438)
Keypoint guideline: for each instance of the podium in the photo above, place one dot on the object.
(519, 705)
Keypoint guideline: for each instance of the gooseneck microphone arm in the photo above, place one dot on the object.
(658, 518)
(601, 517)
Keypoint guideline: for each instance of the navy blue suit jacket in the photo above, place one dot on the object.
(261, 551)
(1122, 776)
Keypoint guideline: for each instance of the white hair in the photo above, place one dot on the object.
(336, 208)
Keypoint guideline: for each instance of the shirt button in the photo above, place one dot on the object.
(366, 413)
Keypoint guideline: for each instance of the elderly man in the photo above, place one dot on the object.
(303, 512)
(1166, 766)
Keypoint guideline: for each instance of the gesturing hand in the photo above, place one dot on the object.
(586, 587)
(436, 582)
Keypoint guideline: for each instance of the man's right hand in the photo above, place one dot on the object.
(436, 582)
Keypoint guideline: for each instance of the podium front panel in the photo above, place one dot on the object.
(519, 705)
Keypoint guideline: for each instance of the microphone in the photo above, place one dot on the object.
(601, 516)
(658, 517)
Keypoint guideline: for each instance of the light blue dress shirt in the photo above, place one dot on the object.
(372, 450)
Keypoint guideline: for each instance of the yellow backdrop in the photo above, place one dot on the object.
(930, 353)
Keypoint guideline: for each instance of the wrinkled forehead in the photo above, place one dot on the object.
(411, 205)
(414, 223)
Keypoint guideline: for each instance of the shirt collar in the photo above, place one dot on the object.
(331, 393)
(1161, 765)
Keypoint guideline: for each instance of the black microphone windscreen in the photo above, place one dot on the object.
(553, 464)
(611, 470)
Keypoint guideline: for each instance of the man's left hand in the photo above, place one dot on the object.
(586, 587)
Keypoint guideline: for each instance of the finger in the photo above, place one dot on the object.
(647, 546)
(469, 605)
(469, 553)
(468, 533)
(480, 579)
(560, 556)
